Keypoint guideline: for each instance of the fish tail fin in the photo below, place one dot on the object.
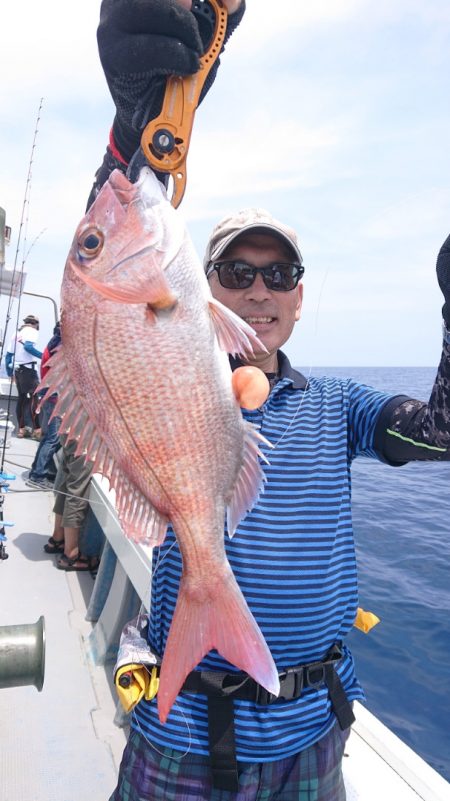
(216, 618)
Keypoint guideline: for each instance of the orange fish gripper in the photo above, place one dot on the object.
(165, 139)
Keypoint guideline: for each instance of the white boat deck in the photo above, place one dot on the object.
(59, 744)
(62, 744)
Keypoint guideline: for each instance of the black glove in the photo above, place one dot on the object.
(140, 43)
(443, 274)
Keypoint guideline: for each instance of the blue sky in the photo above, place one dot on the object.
(335, 118)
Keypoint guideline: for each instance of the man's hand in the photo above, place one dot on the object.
(140, 43)
(230, 5)
(443, 274)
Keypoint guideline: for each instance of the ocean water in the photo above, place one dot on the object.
(402, 531)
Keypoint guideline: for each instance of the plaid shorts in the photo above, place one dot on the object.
(312, 775)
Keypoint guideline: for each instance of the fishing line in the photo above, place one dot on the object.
(17, 464)
(303, 396)
(55, 492)
(152, 745)
(160, 559)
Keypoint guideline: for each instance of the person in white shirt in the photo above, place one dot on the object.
(20, 361)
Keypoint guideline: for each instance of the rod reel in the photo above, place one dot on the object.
(22, 655)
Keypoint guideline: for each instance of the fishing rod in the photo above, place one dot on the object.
(5, 478)
(23, 222)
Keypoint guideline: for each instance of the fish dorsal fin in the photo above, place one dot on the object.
(235, 336)
(140, 521)
(250, 479)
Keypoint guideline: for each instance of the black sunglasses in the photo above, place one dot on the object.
(279, 276)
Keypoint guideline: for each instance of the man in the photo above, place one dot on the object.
(293, 555)
(20, 361)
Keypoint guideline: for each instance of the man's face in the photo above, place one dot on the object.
(271, 314)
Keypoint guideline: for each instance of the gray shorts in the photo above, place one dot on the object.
(71, 485)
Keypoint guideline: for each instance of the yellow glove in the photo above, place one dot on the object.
(134, 682)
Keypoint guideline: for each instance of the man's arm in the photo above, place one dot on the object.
(414, 430)
(29, 347)
(140, 43)
(9, 364)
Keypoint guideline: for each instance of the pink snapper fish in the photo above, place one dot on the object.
(144, 385)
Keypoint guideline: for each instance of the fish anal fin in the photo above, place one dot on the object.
(220, 619)
(234, 335)
(139, 519)
(250, 479)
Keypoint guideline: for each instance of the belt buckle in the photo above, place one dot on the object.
(315, 675)
(263, 696)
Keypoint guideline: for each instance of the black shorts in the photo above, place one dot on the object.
(27, 380)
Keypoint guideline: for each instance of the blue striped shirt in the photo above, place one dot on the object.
(294, 559)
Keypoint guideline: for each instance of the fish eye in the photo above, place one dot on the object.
(90, 243)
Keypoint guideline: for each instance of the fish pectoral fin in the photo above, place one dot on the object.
(250, 479)
(152, 290)
(218, 618)
(235, 336)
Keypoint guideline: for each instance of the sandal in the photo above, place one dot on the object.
(70, 564)
(54, 546)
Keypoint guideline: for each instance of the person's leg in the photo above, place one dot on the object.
(19, 411)
(71, 539)
(55, 543)
(26, 381)
(72, 559)
(45, 410)
(33, 472)
(150, 773)
(34, 404)
(21, 395)
(48, 446)
(75, 510)
(26, 411)
(314, 774)
(58, 528)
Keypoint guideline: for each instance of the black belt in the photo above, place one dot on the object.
(222, 688)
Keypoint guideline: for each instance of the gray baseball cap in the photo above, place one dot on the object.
(254, 220)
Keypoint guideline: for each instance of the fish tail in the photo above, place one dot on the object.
(216, 618)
